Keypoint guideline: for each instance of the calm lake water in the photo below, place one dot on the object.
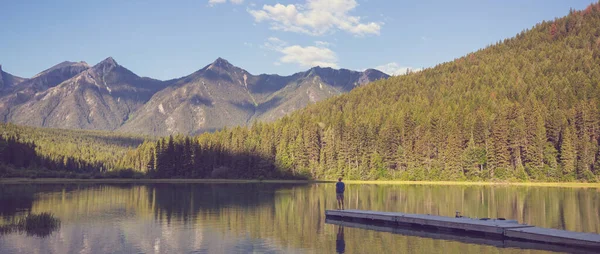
(273, 218)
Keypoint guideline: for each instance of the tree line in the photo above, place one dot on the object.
(22, 155)
(41, 152)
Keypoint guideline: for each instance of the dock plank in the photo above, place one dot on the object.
(496, 227)
(555, 236)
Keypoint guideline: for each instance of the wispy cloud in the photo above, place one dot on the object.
(315, 17)
(214, 2)
(308, 56)
(323, 44)
(396, 69)
(274, 43)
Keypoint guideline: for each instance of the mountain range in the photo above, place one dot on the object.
(108, 96)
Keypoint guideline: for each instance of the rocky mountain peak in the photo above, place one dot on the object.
(327, 72)
(64, 67)
(106, 65)
(369, 71)
(319, 69)
(370, 75)
(221, 67)
(222, 63)
(108, 61)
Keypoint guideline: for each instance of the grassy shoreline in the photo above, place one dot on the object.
(72, 180)
(540, 184)
(128, 180)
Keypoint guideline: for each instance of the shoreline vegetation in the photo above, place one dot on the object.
(40, 225)
(382, 182)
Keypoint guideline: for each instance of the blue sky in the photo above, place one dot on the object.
(170, 39)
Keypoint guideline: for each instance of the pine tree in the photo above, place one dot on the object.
(452, 155)
(499, 153)
(328, 153)
(479, 131)
(312, 147)
(150, 164)
(567, 153)
(535, 143)
(474, 159)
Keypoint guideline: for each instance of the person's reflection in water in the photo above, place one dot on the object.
(340, 243)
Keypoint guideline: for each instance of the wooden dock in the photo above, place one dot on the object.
(488, 229)
(463, 238)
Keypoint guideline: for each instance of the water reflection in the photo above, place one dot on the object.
(272, 218)
(340, 243)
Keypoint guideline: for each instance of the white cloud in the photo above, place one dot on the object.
(322, 43)
(309, 56)
(275, 44)
(316, 17)
(395, 69)
(213, 2)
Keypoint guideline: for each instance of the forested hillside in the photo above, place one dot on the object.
(45, 152)
(525, 108)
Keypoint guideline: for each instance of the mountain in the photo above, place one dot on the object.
(524, 109)
(27, 88)
(100, 97)
(7, 81)
(107, 96)
(222, 94)
(312, 86)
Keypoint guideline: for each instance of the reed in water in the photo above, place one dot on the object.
(40, 225)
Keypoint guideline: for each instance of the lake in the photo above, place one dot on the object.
(272, 217)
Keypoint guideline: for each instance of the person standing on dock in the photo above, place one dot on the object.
(340, 187)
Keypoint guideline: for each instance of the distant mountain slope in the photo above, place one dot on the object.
(99, 98)
(222, 95)
(312, 86)
(26, 89)
(7, 81)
